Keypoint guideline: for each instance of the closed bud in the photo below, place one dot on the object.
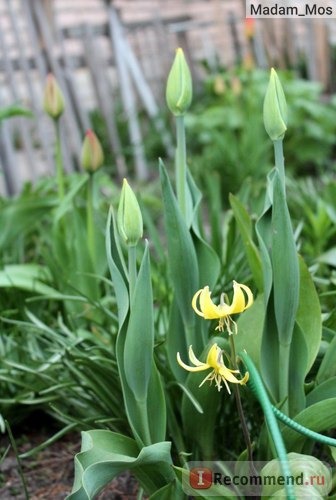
(92, 156)
(129, 216)
(53, 101)
(275, 109)
(179, 85)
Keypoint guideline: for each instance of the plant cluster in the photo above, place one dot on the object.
(202, 341)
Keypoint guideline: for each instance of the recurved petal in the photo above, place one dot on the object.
(208, 308)
(194, 303)
(227, 374)
(193, 358)
(239, 303)
(199, 368)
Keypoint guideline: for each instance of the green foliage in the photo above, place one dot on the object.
(227, 136)
(91, 326)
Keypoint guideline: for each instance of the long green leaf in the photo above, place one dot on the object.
(286, 276)
(181, 256)
(139, 342)
(116, 267)
(318, 417)
(245, 227)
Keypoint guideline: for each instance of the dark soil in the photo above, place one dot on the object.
(49, 473)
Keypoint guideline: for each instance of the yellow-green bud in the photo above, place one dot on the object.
(129, 216)
(179, 85)
(92, 156)
(275, 108)
(53, 101)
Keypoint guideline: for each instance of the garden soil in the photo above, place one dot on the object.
(49, 473)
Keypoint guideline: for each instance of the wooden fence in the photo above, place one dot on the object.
(98, 59)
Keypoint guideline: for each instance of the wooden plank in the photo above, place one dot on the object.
(13, 88)
(127, 94)
(79, 109)
(7, 160)
(146, 94)
(104, 98)
(72, 139)
(35, 100)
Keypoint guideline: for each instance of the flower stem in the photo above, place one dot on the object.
(181, 165)
(279, 159)
(90, 221)
(132, 270)
(59, 160)
(246, 433)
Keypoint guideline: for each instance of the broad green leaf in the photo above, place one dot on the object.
(139, 342)
(215, 492)
(170, 491)
(264, 234)
(156, 407)
(105, 454)
(176, 342)
(245, 227)
(325, 390)
(328, 366)
(269, 356)
(297, 372)
(29, 277)
(309, 315)
(208, 262)
(318, 417)
(181, 257)
(285, 265)
(250, 330)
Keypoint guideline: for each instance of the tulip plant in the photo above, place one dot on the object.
(176, 411)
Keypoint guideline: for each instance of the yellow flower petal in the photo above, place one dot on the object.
(228, 375)
(194, 303)
(193, 358)
(208, 308)
(213, 356)
(199, 368)
(239, 303)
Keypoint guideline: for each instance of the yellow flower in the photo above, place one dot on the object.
(208, 310)
(220, 373)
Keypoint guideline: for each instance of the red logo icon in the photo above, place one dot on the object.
(200, 478)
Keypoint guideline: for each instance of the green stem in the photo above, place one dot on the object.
(132, 270)
(181, 165)
(239, 405)
(90, 220)
(257, 386)
(59, 160)
(284, 356)
(279, 159)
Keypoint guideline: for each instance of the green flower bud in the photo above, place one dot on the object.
(179, 85)
(129, 216)
(53, 101)
(275, 108)
(92, 156)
